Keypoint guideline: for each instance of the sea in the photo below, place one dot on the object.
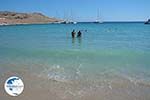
(113, 55)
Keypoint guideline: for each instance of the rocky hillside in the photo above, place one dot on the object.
(8, 18)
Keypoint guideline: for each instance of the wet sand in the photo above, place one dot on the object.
(41, 88)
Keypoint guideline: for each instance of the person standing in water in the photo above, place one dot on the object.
(73, 33)
(79, 34)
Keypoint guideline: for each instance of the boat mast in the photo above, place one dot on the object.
(98, 20)
(98, 16)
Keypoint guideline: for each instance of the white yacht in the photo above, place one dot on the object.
(98, 20)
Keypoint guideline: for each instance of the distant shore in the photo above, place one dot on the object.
(15, 18)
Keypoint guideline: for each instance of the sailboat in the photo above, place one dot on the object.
(67, 21)
(98, 18)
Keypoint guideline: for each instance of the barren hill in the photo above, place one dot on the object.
(7, 18)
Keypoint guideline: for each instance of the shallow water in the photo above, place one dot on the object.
(106, 53)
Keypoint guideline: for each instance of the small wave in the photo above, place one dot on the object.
(57, 73)
(62, 74)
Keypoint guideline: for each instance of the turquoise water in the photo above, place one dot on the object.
(105, 50)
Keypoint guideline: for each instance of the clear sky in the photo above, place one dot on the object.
(83, 10)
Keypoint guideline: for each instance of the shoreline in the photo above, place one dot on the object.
(29, 24)
(41, 88)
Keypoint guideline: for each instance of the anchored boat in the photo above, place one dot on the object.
(147, 22)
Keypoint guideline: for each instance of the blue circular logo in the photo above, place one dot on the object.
(14, 86)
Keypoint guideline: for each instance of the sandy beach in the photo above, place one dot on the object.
(40, 88)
